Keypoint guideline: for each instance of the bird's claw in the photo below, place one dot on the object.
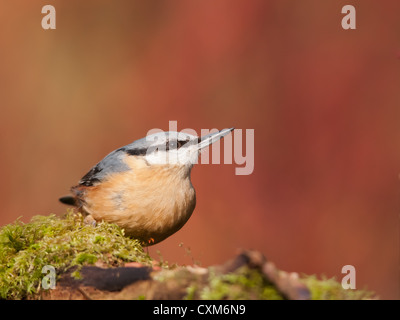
(90, 221)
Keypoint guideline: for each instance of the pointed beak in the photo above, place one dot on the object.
(212, 137)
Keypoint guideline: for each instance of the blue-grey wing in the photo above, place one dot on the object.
(112, 163)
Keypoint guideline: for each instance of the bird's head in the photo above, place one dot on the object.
(176, 148)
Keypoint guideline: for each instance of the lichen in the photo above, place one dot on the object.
(25, 248)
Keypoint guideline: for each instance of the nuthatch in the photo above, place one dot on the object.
(144, 187)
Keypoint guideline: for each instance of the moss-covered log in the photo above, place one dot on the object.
(102, 263)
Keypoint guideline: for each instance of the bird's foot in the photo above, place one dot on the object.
(90, 221)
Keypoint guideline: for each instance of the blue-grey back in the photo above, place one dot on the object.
(114, 163)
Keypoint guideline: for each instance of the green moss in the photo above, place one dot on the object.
(191, 292)
(245, 283)
(76, 275)
(67, 244)
(85, 257)
(61, 243)
(330, 289)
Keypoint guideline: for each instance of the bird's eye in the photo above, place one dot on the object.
(176, 144)
(182, 142)
(171, 145)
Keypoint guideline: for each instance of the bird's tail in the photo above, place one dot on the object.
(69, 200)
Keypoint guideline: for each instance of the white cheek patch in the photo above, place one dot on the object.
(181, 156)
(157, 157)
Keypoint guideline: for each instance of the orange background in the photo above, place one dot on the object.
(324, 103)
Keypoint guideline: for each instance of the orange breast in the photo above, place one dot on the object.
(149, 202)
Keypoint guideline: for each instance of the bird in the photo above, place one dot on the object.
(145, 186)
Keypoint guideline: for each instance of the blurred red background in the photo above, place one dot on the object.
(324, 103)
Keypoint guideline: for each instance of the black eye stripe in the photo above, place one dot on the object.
(136, 152)
(169, 145)
(176, 144)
